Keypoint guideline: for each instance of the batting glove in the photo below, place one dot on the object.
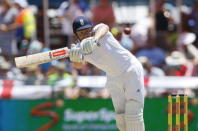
(75, 54)
(88, 45)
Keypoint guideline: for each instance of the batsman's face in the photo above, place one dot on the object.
(82, 34)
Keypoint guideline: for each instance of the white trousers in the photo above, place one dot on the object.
(127, 93)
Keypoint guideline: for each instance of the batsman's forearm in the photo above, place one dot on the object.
(101, 31)
(12, 27)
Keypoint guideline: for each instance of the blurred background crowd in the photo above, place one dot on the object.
(164, 37)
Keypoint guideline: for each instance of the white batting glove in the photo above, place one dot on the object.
(75, 54)
(88, 45)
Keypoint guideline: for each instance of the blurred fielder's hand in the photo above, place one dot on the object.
(88, 45)
(3, 27)
(75, 54)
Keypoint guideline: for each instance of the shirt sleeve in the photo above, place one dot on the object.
(97, 27)
(63, 8)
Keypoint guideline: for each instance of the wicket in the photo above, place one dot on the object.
(178, 104)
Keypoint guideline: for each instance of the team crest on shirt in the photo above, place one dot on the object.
(81, 21)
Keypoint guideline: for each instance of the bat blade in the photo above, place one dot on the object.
(40, 58)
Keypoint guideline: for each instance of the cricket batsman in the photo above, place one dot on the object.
(124, 72)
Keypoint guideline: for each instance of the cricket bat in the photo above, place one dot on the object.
(40, 58)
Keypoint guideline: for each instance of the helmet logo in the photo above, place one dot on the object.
(82, 22)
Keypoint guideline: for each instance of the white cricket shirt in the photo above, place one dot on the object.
(110, 56)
